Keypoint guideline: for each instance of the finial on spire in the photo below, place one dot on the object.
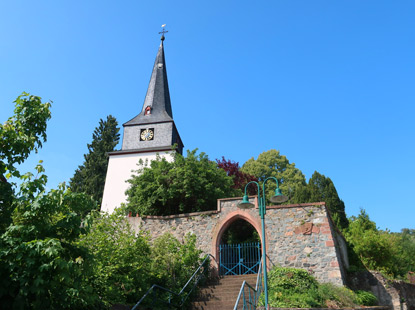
(163, 32)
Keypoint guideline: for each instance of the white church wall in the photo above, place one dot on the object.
(120, 169)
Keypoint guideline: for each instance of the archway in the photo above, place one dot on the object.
(240, 231)
(237, 258)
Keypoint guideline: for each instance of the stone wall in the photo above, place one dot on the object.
(398, 295)
(300, 235)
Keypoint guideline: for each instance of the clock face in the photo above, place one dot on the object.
(147, 134)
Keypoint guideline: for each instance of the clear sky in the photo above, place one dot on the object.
(328, 83)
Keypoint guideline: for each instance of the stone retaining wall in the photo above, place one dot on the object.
(300, 235)
(398, 295)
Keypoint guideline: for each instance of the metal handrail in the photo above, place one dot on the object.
(184, 298)
(253, 293)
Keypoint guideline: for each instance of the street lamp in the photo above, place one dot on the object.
(245, 204)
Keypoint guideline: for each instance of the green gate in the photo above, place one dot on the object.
(237, 259)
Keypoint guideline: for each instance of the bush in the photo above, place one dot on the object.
(295, 288)
(366, 298)
(121, 264)
(290, 287)
(333, 296)
(173, 262)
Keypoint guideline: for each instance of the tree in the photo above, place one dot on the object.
(272, 164)
(41, 266)
(186, 184)
(322, 189)
(19, 136)
(240, 179)
(408, 246)
(377, 249)
(90, 176)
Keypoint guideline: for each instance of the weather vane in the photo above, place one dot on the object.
(163, 32)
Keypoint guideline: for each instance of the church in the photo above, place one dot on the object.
(296, 235)
(152, 132)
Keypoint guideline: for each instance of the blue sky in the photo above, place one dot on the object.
(328, 83)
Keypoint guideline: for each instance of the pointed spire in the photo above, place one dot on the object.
(157, 105)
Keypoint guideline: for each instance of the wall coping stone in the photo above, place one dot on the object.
(182, 215)
(166, 217)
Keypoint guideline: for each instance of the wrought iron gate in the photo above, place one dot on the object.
(237, 259)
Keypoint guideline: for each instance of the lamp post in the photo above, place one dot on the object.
(245, 204)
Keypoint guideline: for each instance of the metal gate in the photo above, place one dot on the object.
(237, 259)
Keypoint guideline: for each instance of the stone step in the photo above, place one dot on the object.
(222, 293)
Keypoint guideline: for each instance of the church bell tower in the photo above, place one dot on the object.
(152, 132)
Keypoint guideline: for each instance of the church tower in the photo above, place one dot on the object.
(150, 133)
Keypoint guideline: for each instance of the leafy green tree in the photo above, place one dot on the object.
(41, 266)
(272, 164)
(408, 246)
(22, 133)
(121, 260)
(377, 249)
(186, 184)
(90, 176)
(322, 188)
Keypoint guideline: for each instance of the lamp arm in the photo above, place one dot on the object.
(263, 184)
(257, 184)
(264, 193)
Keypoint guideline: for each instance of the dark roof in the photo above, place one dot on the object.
(158, 96)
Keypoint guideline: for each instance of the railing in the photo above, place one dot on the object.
(162, 296)
(248, 295)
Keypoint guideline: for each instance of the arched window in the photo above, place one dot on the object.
(147, 111)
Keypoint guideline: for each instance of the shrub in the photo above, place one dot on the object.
(336, 296)
(295, 288)
(366, 298)
(290, 287)
(121, 264)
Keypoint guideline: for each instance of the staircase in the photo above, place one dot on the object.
(222, 293)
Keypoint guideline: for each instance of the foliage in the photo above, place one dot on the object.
(22, 133)
(366, 298)
(90, 176)
(322, 188)
(292, 183)
(173, 262)
(121, 263)
(295, 288)
(48, 260)
(407, 256)
(240, 178)
(41, 266)
(272, 164)
(289, 287)
(379, 250)
(333, 296)
(186, 184)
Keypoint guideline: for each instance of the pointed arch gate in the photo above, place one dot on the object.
(238, 259)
